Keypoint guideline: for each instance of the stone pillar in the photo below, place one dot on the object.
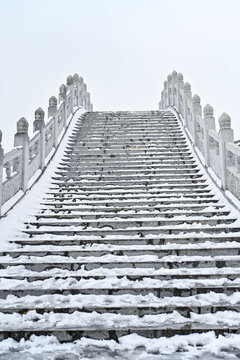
(22, 139)
(187, 96)
(62, 97)
(39, 124)
(180, 84)
(75, 90)
(208, 123)
(174, 84)
(197, 111)
(52, 111)
(88, 101)
(165, 91)
(80, 96)
(1, 170)
(84, 95)
(70, 87)
(225, 135)
(169, 88)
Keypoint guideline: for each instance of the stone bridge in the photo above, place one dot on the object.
(131, 249)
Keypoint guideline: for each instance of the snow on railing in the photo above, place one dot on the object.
(19, 165)
(218, 149)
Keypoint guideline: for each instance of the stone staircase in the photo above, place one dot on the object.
(132, 237)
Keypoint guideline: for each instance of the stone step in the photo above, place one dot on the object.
(133, 208)
(130, 222)
(158, 288)
(119, 193)
(133, 215)
(149, 239)
(128, 187)
(124, 164)
(122, 174)
(74, 251)
(105, 168)
(197, 179)
(120, 304)
(108, 198)
(143, 231)
(110, 261)
(219, 274)
(207, 201)
(184, 175)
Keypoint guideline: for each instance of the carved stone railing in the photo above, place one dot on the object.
(19, 165)
(218, 149)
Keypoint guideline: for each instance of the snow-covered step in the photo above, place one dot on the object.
(124, 250)
(128, 239)
(150, 214)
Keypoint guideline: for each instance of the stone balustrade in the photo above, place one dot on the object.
(218, 149)
(19, 165)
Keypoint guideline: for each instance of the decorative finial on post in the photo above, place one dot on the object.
(22, 126)
(174, 74)
(53, 101)
(208, 111)
(62, 92)
(39, 119)
(224, 121)
(69, 80)
(75, 79)
(180, 77)
(196, 100)
(187, 87)
(52, 108)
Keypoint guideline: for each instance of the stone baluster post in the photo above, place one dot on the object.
(197, 111)
(180, 85)
(39, 125)
(225, 135)
(165, 91)
(70, 87)
(84, 95)
(53, 111)
(88, 101)
(62, 97)
(22, 139)
(75, 89)
(173, 88)
(1, 170)
(80, 91)
(208, 123)
(187, 96)
(169, 90)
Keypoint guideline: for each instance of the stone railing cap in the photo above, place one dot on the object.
(196, 99)
(180, 77)
(39, 114)
(187, 87)
(62, 89)
(224, 121)
(53, 101)
(208, 111)
(22, 126)
(69, 80)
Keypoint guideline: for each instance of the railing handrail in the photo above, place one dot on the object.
(218, 148)
(30, 155)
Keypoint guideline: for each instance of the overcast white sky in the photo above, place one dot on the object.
(124, 49)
